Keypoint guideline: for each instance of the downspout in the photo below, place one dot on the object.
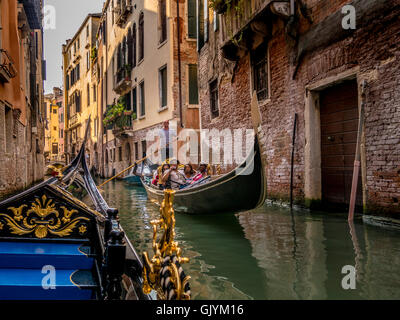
(179, 63)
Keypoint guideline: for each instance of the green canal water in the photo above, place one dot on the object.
(270, 253)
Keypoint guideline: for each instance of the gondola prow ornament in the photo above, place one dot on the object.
(163, 273)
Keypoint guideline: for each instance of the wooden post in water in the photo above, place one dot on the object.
(356, 169)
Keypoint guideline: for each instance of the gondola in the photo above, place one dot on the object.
(54, 245)
(143, 169)
(241, 189)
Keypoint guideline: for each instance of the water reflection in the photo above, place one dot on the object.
(270, 253)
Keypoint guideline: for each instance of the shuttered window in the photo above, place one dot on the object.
(200, 24)
(193, 88)
(192, 27)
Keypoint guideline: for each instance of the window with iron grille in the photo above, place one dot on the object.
(141, 36)
(260, 71)
(54, 148)
(214, 98)
(162, 20)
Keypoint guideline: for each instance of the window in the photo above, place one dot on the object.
(144, 148)
(193, 88)
(87, 60)
(134, 100)
(136, 151)
(55, 128)
(88, 95)
(141, 36)
(87, 31)
(206, 10)
(134, 46)
(260, 71)
(142, 99)
(128, 101)
(192, 27)
(162, 20)
(214, 99)
(216, 21)
(94, 93)
(119, 153)
(55, 110)
(67, 82)
(162, 82)
(200, 24)
(54, 148)
(78, 102)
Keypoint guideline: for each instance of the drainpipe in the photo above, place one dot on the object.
(179, 63)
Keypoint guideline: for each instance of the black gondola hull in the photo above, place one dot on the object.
(240, 190)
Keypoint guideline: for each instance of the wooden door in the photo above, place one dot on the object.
(339, 124)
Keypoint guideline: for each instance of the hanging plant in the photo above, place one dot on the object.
(115, 111)
(219, 6)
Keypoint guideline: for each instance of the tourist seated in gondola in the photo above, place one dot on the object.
(189, 173)
(172, 178)
(203, 172)
(159, 176)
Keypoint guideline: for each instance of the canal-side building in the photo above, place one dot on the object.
(21, 95)
(139, 73)
(80, 89)
(321, 60)
(53, 149)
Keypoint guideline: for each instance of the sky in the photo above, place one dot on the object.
(68, 17)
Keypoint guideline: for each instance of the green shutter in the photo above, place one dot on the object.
(193, 88)
(192, 27)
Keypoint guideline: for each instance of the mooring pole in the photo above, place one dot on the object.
(356, 169)
(292, 160)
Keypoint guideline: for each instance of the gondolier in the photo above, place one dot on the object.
(167, 138)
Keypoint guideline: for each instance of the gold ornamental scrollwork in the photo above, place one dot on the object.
(165, 248)
(41, 219)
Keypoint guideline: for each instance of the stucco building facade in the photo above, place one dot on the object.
(21, 95)
(139, 62)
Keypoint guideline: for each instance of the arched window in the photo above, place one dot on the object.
(141, 36)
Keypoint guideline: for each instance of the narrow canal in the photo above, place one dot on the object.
(270, 253)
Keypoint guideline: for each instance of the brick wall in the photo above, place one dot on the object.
(373, 47)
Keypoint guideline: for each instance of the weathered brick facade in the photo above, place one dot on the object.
(370, 53)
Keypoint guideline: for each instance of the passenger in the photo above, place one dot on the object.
(189, 173)
(172, 178)
(161, 184)
(203, 173)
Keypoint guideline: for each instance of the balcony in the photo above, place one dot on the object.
(7, 70)
(123, 10)
(121, 123)
(245, 24)
(122, 81)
